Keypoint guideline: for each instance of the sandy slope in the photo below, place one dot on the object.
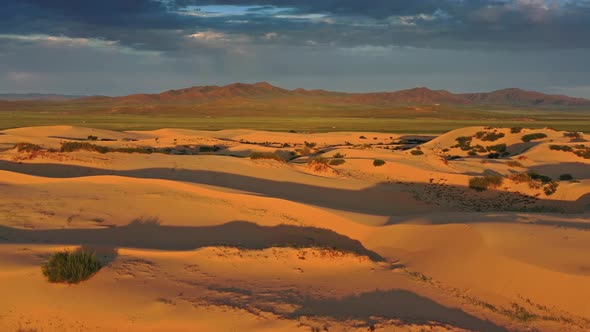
(214, 242)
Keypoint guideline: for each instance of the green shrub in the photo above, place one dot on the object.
(71, 267)
(515, 130)
(566, 177)
(417, 152)
(482, 183)
(532, 137)
(267, 155)
(565, 148)
(27, 147)
(464, 143)
(337, 162)
(378, 162)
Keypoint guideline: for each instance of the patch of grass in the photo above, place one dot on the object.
(71, 267)
(489, 136)
(28, 147)
(463, 142)
(515, 130)
(338, 155)
(540, 177)
(76, 146)
(566, 177)
(417, 152)
(267, 155)
(482, 183)
(378, 162)
(337, 162)
(514, 163)
(497, 148)
(532, 137)
(318, 164)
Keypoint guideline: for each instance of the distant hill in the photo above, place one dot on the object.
(36, 96)
(415, 96)
(264, 99)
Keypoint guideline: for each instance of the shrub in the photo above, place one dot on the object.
(76, 146)
(28, 147)
(378, 162)
(337, 162)
(482, 183)
(463, 142)
(71, 267)
(338, 155)
(520, 177)
(565, 148)
(566, 177)
(494, 155)
(515, 130)
(489, 136)
(92, 138)
(206, 148)
(532, 137)
(497, 148)
(514, 163)
(472, 153)
(362, 137)
(310, 145)
(417, 152)
(318, 164)
(550, 188)
(543, 178)
(267, 155)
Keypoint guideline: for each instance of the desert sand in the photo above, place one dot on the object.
(198, 236)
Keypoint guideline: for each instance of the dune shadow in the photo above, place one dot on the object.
(393, 304)
(151, 235)
(385, 199)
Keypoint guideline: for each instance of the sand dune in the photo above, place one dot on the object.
(213, 240)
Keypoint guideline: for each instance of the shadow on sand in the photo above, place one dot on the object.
(150, 235)
(394, 304)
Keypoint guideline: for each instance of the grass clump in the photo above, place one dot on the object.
(337, 162)
(28, 147)
(515, 130)
(532, 137)
(489, 136)
(417, 152)
(338, 155)
(71, 267)
(318, 164)
(497, 148)
(76, 146)
(566, 177)
(267, 155)
(378, 162)
(482, 183)
(514, 163)
(463, 142)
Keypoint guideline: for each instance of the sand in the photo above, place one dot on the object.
(214, 240)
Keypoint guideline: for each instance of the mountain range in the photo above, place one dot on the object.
(264, 99)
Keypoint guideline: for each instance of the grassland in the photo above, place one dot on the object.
(561, 121)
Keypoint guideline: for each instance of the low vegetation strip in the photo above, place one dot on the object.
(482, 183)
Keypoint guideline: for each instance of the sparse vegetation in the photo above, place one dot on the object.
(514, 163)
(28, 147)
(76, 146)
(338, 155)
(482, 183)
(267, 155)
(532, 137)
(378, 162)
(337, 162)
(515, 130)
(310, 145)
(566, 177)
(464, 143)
(489, 136)
(579, 150)
(318, 164)
(71, 267)
(92, 138)
(417, 152)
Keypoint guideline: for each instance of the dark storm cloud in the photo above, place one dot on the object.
(164, 25)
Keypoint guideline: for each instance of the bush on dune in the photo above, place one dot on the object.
(482, 183)
(71, 267)
(27, 147)
(267, 155)
(532, 137)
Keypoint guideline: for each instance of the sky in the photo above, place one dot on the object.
(118, 47)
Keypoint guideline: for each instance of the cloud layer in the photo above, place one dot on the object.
(220, 38)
